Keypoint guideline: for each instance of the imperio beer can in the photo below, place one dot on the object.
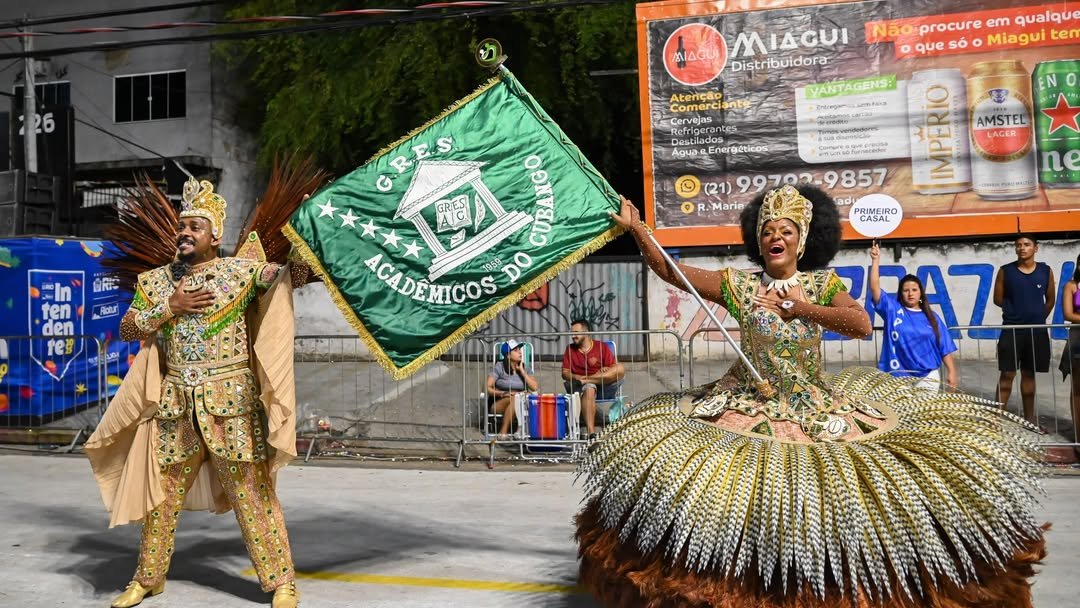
(937, 117)
(1056, 88)
(1002, 138)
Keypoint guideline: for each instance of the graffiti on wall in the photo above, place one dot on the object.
(937, 293)
(594, 304)
(598, 304)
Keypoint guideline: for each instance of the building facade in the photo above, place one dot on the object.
(135, 110)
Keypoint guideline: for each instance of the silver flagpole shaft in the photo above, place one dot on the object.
(712, 316)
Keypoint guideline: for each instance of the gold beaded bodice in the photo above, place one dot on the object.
(218, 337)
(208, 378)
(788, 356)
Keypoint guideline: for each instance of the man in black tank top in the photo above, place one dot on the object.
(1025, 291)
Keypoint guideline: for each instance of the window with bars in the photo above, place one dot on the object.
(158, 96)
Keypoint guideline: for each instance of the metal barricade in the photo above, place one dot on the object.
(348, 404)
(1055, 402)
(646, 372)
(54, 389)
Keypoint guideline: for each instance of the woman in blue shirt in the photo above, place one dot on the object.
(916, 341)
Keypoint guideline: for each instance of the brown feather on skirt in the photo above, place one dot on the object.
(619, 576)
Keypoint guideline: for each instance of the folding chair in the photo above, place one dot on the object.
(548, 417)
(618, 400)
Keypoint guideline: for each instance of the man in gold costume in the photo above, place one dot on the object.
(208, 388)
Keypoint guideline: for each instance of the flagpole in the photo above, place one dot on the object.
(763, 385)
(489, 54)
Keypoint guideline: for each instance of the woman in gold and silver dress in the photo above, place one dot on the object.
(803, 489)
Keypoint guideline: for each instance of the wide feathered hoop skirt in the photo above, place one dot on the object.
(934, 509)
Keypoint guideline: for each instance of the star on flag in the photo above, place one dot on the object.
(327, 208)
(369, 228)
(412, 249)
(391, 238)
(1062, 115)
(348, 219)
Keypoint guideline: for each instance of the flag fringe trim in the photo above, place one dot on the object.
(436, 351)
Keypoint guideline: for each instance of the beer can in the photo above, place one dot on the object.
(1002, 137)
(937, 118)
(1056, 88)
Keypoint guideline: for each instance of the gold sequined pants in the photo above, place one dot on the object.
(257, 510)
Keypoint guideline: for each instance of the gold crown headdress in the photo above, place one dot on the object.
(200, 200)
(786, 203)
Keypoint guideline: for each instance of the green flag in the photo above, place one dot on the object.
(454, 223)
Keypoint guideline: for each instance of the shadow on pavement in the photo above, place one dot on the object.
(322, 540)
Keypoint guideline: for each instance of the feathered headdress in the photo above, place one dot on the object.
(145, 228)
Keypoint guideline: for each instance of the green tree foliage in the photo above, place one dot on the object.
(344, 95)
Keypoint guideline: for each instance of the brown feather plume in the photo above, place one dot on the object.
(145, 231)
(292, 177)
(620, 576)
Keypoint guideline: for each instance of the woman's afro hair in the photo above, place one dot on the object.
(821, 244)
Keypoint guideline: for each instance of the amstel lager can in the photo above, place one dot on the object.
(1002, 139)
(1056, 87)
(937, 117)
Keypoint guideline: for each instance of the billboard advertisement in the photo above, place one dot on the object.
(964, 112)
(60, 313)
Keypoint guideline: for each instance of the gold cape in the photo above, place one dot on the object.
(122, 452)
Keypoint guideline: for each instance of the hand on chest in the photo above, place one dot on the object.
(228, 285)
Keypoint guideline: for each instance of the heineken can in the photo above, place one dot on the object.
(1002, 138)
(937, 118)
(1056, 88)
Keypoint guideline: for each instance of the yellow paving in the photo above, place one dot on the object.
(444, 583)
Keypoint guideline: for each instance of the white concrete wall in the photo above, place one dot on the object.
(234, 152)
(958, 279)
(316, 313)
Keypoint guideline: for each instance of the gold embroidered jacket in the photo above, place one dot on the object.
(209, 387)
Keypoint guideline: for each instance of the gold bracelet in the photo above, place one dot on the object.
(644, 227)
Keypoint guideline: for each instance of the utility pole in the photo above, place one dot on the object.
(29, 106)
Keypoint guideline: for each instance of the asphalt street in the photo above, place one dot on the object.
(363, 536)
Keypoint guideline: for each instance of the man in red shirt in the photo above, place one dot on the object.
(589, 368)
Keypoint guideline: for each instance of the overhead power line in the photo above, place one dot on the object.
(23, 27)
(120, 138)
(341, 22)
(157, 8)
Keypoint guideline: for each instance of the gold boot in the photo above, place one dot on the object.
(286, 596)
(135, 594)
